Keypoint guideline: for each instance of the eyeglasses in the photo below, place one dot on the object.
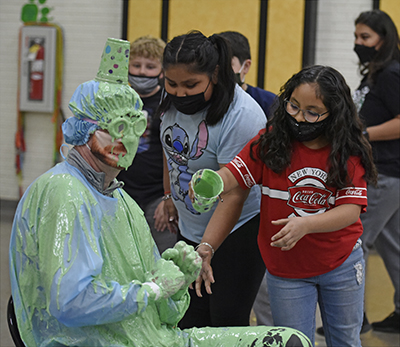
(310, 116)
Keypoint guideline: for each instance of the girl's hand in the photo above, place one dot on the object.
(206, 273)
(160, 218)
(171, 216)
(294, 229)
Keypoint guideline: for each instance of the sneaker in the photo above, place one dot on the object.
(320, 331)
(364, 328)
(390, 324)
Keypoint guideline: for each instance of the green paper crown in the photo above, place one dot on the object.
(114, 62)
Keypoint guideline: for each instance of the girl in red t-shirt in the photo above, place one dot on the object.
(313, 164)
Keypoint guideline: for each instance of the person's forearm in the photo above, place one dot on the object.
(294, 228)
(166, 182)
(228, 178)
(106, 302)
(334, 219)
(389, 130)
(225, 217)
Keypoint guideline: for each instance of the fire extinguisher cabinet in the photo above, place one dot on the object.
(37, 51)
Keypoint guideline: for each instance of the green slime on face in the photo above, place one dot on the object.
(116, 108)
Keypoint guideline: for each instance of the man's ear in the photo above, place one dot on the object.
(215, 75)
(90, 141)
(246, 66)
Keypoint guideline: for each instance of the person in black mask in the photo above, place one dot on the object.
(206, 120)
(377, 101)
(377, 98)
(144, 178)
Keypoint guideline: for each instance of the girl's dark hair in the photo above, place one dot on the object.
(205, 56)
(343, 131)
(383, 25)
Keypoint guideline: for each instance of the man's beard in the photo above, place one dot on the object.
(103, 153)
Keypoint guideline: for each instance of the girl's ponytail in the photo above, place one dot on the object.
(224, 88)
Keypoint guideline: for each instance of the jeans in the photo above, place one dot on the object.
(381, 225)
(339, 293)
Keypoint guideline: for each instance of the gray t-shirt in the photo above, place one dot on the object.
(190, 144)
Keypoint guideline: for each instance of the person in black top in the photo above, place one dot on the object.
(144, 178)
(378, 103)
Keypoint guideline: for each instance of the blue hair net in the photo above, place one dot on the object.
(77, 131)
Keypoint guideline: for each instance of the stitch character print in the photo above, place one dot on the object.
(177, 144)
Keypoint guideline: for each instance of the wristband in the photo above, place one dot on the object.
(205, 244)
(365, 133)
(166, 197)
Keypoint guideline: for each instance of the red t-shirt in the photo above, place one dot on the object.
(300, 190)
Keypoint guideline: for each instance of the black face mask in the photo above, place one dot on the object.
(365, 54)
(238, 79)
(304, 131)
(189, 104)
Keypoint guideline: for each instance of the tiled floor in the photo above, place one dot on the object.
(379, 294)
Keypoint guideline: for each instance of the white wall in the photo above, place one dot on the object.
(335, 36)
(86, 26)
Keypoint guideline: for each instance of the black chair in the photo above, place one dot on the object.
(12, 324)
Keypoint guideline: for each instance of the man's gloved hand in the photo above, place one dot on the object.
(186, 258)
(164, 280)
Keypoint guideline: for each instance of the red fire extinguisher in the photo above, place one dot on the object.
(36, 53)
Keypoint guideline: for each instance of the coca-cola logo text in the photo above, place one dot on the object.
(309, 198)
(355, 192)
(236, 161)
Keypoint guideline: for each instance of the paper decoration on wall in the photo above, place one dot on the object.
(30, 11)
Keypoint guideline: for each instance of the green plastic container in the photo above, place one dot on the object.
(207, 186)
